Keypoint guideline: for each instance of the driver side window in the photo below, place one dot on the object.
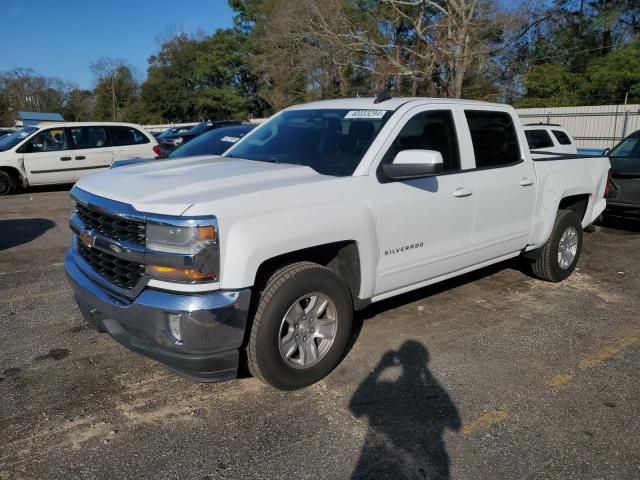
(53, 140)
(430, 130)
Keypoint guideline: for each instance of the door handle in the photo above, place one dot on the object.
(65, 159)
(526, 182)
(462, 192)
(81, 157)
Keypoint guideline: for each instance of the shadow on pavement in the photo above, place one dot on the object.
(408, 412)
(23, 230)
(62, 187)
(620, 223)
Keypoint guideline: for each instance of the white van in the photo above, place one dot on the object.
(52, 153)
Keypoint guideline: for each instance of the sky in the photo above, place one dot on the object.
(61, 38)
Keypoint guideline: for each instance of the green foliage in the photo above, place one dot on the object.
(584, 53)
(115, 94)
(613, 76)
(193, 79)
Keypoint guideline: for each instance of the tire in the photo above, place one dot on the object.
(273, 336)
(7, 183)
(549, 266)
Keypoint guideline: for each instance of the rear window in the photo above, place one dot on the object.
(494, 138)
(89, 137)
(628, 148)
(563, 138)
(538, 139)
(121, 136)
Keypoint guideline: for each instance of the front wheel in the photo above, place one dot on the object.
(301, 326)
(558, 257)
(7, 183)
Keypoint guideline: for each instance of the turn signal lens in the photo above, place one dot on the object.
(206, 233)
(179, 274)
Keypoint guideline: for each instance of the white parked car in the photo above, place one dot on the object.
(63, 152)
(549, 138)
(264, 253)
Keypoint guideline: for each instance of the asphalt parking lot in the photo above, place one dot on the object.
(491, 376)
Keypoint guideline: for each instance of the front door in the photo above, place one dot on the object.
(92, 149)
(48, 158)
(424, 224)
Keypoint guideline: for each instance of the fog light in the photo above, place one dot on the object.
(174, 322)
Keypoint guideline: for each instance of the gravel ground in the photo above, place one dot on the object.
(490, 376)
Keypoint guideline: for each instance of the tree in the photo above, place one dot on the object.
(24, 90)
(330, 48)
(116, 90)
(79, 105)
(582, 53)
(191, 79)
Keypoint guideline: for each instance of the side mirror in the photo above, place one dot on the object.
(410, 164)
(606, 152)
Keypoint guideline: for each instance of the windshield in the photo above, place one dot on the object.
(173, 131)
(198, 129)
(628, 148)
(332, 142)
(9, 141)
(214, 142)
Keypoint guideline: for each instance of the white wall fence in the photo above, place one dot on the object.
(599, 126)
(162, 127)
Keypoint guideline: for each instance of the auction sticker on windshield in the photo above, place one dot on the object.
(365, 114)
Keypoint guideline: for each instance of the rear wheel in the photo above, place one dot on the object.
(301, 326)
(558, 257)
(7, 183)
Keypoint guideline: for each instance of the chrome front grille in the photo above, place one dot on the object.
(120, 272)
(112, 226)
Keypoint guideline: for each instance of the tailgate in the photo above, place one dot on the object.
(624, 190)
(625, 182)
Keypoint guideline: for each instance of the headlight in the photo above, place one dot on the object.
(185, 252)
(187, 240)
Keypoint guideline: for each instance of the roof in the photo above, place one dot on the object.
(89, 124)
(40, 116)
(390, 104)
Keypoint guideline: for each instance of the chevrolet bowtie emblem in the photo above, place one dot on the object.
(87, 239)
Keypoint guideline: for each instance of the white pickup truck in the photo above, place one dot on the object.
(261, 256)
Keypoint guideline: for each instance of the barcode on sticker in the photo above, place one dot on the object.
(373, 114)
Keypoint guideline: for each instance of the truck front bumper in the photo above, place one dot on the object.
(198, 336)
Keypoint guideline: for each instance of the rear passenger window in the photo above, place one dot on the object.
(563, 138)
(431, 130)
(121, 136)
(89, 137)
(494, 137)
(538, 139)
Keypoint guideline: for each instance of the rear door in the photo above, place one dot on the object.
(92, 149)
(128, 142)
(48, 157)
(504, 179)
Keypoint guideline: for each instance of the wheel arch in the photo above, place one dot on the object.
(15, 173)
(342, 257)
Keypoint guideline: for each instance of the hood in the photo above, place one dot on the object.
(170, 187)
